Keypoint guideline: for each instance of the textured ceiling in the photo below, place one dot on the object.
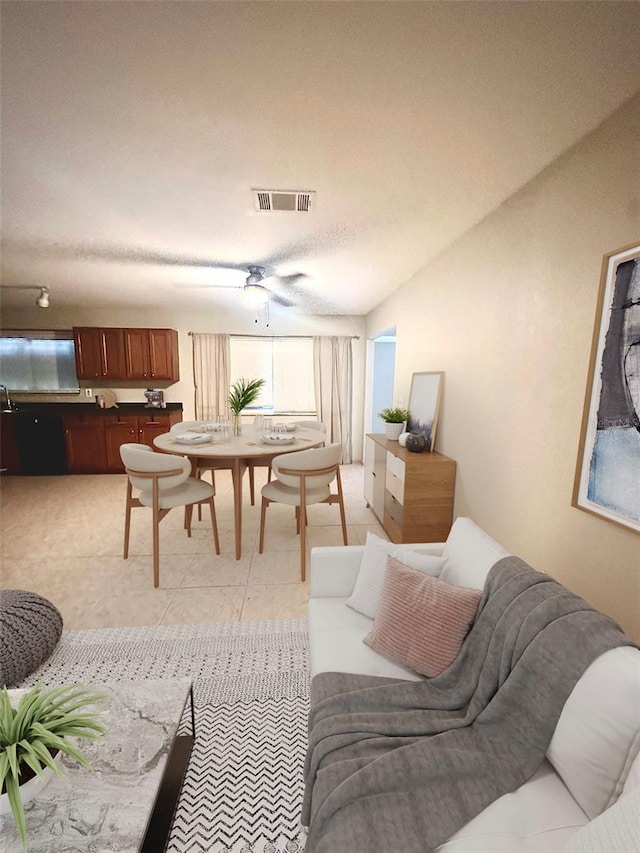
(133, 133)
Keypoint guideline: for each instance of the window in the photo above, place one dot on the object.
(42, 361)
(287, 366)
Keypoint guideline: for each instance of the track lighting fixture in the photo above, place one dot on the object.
(42, 301)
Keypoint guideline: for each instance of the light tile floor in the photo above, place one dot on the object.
(62, 537)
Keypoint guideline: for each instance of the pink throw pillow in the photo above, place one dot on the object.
(422, 621)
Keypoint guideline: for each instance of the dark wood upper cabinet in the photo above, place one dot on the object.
(99, 353)
(147, 355)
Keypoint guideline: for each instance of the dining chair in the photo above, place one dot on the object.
(312, 425)
(164, 482)
(303, 478)
(185, 425)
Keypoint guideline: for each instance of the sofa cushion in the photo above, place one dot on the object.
(539, 817)
(616, 830)
(597, 737)
(365, 597)
(335, 642)
(422, 621)
(469, 553)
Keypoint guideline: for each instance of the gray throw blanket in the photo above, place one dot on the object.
(401, 765)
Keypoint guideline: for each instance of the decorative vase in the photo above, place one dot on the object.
(393, 431)
(237, 427)
(416, 443)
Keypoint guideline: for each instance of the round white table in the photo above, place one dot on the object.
(236, 453)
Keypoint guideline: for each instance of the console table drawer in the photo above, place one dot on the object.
(393, 508)
(395, 485)
(396, 466)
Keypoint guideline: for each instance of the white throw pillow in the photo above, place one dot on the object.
(367, 591)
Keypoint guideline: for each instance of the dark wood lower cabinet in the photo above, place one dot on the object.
(93, 438)
(84, 437)
(9, 458)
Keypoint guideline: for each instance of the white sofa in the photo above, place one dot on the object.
(593, 761)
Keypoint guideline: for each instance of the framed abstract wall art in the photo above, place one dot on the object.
(607, 480)
(424, 405)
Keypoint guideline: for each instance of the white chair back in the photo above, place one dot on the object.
(312, 425)
(181, 425)
(139, 457)
(308, 460)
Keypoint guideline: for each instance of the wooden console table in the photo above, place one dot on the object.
(410, 493)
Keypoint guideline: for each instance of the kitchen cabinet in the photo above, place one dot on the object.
(151, 354)
(141, 429)
(100, 353)
(9, 457)
(85, 443)
(411, 494)
(115, 354)
(93, 436)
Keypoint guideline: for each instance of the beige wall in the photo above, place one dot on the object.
(507, 312)
(216, 321)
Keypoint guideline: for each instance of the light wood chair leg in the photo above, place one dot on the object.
(263, 516)
(303, 528)
(303, 542)
(156, 536)
(252, 485)
(214, 524)
(188, 515)
(127, 521)
(341, 504)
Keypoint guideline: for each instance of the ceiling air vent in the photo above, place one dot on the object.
(294, 200)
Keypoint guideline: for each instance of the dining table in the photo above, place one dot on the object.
(236, 452)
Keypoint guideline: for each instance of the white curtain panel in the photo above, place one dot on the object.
(211, 376)
(333, 374)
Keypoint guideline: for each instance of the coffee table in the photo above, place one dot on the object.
(127, 803)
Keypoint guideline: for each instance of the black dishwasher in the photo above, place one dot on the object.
(41, 445)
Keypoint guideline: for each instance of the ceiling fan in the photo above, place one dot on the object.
(255, 288)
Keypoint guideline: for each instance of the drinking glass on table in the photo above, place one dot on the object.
(268, 424)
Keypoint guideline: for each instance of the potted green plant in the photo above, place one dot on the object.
(32, 733)
(395, 419)
(243, 393)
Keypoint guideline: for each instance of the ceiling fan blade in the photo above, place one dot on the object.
(281, 300)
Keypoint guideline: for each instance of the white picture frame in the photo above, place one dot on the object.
(424, 405)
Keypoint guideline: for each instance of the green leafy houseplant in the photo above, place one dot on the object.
(34, 731)
(394, 416)
(243, 393)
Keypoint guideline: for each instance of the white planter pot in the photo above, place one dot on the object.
(393, 431)
(28, 791)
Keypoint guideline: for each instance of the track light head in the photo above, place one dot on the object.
(43, 300)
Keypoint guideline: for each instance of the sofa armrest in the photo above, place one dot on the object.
(334, 570)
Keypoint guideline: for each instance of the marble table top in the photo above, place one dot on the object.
(107, 809)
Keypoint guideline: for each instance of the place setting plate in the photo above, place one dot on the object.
(278, 438)
(193, 438)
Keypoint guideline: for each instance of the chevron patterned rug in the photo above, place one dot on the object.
(243, 788)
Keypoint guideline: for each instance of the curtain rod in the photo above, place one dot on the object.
(300, 337)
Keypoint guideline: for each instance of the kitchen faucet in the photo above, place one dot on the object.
(7, 406)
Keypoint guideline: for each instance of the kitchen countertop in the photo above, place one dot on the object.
(71, 408)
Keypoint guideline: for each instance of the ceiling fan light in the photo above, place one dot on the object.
(43, 300)
(257, 294)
